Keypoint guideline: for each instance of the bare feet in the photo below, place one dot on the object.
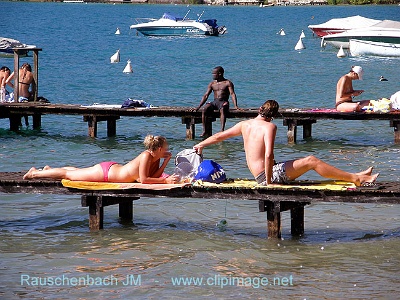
(366, 179)
(29, 174)
(366, 172)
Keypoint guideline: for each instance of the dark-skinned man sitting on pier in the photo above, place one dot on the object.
(222, 88)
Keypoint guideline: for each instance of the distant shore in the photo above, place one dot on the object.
(228, 2)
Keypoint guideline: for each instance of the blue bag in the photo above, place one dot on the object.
(210, 171)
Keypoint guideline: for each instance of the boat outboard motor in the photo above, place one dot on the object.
(222, 30)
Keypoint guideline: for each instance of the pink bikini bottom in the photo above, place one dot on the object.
(106, 167)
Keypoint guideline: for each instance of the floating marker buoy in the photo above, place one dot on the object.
(118, 32)
(299, 45)
(382, 79)
(222, 225)
(341, 53)
(115, 57)
(128, 67)
(302, 35)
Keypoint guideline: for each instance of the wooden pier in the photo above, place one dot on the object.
(273, 201)
(92, 115)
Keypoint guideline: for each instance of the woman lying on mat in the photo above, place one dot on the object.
(145, 168)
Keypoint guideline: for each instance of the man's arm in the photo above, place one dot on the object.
(205, 96)
(219, 137)
(233, 94)
(8, 81)
(269, 141)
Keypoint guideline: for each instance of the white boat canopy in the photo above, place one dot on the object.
(347, 23)
(388, 24)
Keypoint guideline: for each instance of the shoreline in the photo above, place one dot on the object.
(217, 2)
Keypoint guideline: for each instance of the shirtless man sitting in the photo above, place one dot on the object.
(222, 88)
(259, 138)
(345, 91)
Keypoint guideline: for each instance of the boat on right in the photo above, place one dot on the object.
(366, 48)
(387, 31)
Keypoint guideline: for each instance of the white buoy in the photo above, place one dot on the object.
(302, 35)
(118, 32)
(115, 57)
(341, 53)
(299, 45)
(282, 32)
(128, 67)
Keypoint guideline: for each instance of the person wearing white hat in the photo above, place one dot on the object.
(345, 91)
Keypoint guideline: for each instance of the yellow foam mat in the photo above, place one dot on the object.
(96, 186)
(303, 185)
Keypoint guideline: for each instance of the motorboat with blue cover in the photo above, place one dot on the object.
(170, 25)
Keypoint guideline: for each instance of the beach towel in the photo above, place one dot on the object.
(330, 185)
(96, 186)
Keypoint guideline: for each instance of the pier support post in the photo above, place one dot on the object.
(396, 126)
(96, 204)
(92, 125)
(15, 122)
(273, 210)
(190, 123)
(307, 129)
(292, 128)
(96, 211)
(111, 127)
(126, 211)
(274, 220)
(37, 121)
(92, 121)
(297, 220)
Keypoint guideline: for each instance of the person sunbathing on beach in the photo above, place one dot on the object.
(345, 91)
(145, 168)
(259, 138)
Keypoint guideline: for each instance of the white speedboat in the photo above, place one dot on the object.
(170, 25)
(360, 48)
(386, 31)
(339, 25)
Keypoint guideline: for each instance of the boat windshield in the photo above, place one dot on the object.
(171, 17)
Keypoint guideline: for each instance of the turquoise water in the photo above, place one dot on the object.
(349, 251)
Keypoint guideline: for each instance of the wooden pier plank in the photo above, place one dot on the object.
(271, 200)
(92, 115)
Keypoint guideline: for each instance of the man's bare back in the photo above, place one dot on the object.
(256, 133)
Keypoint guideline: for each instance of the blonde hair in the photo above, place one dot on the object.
(152, 142)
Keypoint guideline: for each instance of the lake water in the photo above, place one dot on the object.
(348, 251)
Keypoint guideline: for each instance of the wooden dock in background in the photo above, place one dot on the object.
(273, 201)
(292, 118)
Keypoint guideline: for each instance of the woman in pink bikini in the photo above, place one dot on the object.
(145, 168)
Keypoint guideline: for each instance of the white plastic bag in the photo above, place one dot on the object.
(395, 100)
